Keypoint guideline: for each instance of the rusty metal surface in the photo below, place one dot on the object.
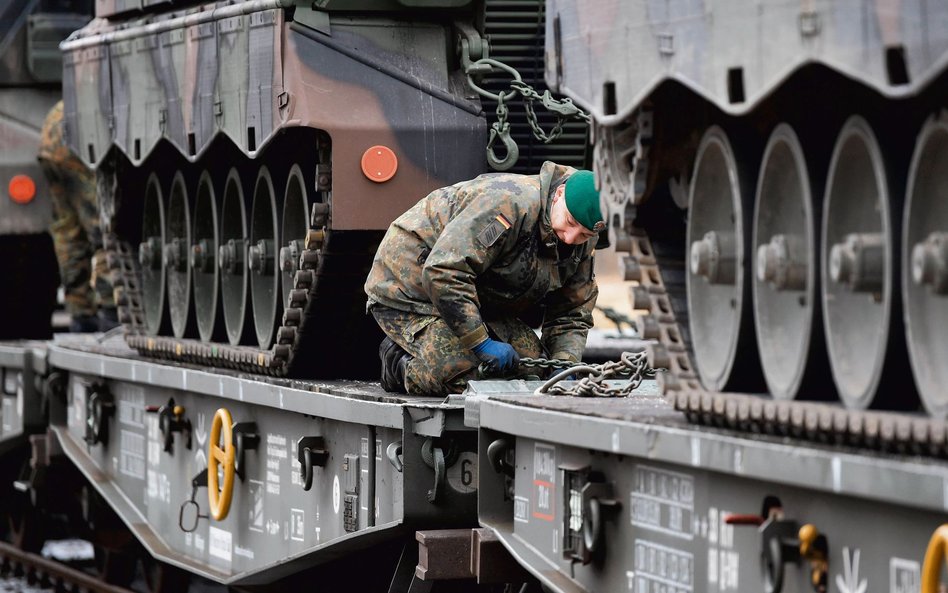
(491, 563)
(443, 554)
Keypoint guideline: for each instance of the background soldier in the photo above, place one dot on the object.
(75, 230)
(456, 271)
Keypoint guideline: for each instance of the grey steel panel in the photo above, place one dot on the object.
(675, 486)
(274, 527)
(21, 365)
(645, 426)
(636, 46)
(330, 401)
(21, 354)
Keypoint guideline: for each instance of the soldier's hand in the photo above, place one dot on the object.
(499, 356)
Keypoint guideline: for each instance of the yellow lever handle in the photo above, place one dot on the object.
(935, 558)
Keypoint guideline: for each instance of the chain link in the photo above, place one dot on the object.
(564, 110)
(632, 366)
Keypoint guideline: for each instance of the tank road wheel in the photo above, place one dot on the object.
(176, 258)
(232, 259)
(857, 269)
(150, 255)
(203, 259)
(295, 226)
(263, 259)
(925, 265)
(786, 295)
(221, 465)
(718, 289)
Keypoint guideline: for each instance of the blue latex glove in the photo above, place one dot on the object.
(499, 356)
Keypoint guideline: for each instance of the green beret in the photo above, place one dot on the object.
(582, 200)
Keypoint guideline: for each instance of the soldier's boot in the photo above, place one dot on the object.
(394, 360)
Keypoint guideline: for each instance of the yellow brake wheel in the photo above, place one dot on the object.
(220, 455)
(935, 558)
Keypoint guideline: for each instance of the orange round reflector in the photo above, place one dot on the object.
(379, 163)
(22, 189)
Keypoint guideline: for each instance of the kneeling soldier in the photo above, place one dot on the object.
(454, 273)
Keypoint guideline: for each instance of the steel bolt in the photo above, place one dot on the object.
(930, 263)
(290, 257)
(148, 252)
(176, 255)
(777, 265)
(859, 262)
(713, 257)
(230, 256)
(202, 258)
(258, 258)
(319, 215)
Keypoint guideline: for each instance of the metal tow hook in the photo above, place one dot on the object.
(198, 481)
(99, 406)
(310, 452)
(497, 456)
(502, 131)
(394, 454)
(439, 459)
(171, 420)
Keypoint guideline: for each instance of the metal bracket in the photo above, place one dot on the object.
(245, 438)
(171, 420)
(394, 454)
(497, 456)
(439, 459)
(99, 406)
(310, 452)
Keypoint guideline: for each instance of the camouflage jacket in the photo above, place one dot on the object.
(485, 249)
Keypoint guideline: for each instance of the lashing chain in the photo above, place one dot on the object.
(476, 63)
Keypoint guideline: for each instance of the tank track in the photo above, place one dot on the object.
(325, 274)
(889, 432)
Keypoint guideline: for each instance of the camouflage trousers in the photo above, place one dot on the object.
(440, 365)
(77, 237)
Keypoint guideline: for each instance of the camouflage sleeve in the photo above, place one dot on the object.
(478, 235)
(569, 314)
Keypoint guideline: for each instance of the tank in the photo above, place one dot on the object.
(250, 156)
(771, 176)
(30, 75)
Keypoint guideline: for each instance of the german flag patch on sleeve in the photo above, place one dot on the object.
(493, 231)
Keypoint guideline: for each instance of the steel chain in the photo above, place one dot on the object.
(632, 366)
(564, 110)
